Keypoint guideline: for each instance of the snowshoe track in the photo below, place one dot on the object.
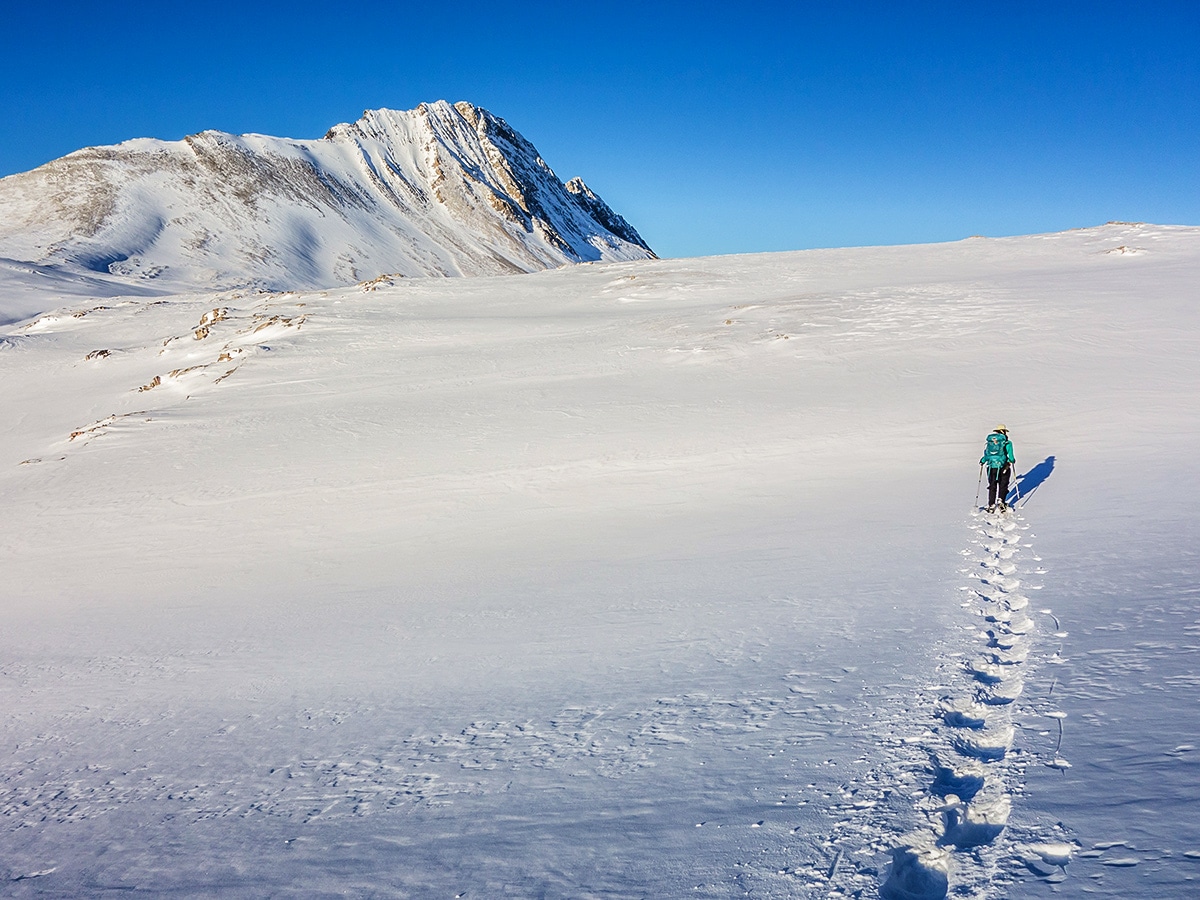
(956, 751)
(975, 762)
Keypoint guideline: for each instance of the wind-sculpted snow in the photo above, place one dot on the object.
(641, 579)
(439, 190)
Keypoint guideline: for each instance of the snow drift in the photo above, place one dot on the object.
(440, 190)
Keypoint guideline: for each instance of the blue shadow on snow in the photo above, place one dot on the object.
(1032, 480)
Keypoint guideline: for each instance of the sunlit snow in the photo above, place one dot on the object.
(660, 578)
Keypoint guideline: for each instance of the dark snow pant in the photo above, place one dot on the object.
(998, 484)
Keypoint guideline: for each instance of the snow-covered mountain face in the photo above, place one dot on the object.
(440, 190)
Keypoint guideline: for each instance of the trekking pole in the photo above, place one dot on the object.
(979, 485)
(1017, 491)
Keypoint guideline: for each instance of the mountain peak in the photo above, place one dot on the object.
(602, 213)
(442, 189)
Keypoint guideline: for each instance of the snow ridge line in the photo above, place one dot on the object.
(974, 770)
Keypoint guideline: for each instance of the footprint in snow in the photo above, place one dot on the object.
(963, 713)
(959, 777)
(917, 874)
(1017, 602)
(1004, 639)
(1001, 694)
(987, 744)
(976, 823)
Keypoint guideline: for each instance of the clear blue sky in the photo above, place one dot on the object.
(713, 129)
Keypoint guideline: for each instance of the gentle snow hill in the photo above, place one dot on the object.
(439, 190)
(656, 578)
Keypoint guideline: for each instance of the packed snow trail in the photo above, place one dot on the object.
(931, 819)
(976, 775)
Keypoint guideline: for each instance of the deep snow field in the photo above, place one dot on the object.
(655, 579)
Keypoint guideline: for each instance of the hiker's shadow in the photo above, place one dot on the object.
(1033, 479)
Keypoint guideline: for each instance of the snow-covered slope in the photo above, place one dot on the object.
(440, 190)
(652, 579)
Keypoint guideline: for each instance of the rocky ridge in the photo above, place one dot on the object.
(444, 189)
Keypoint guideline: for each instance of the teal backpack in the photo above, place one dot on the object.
(994, 455)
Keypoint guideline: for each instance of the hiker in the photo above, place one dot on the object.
(1000, 460)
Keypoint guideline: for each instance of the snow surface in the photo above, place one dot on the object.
(641, 579)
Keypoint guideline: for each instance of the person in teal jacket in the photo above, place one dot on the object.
(1000, 460)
